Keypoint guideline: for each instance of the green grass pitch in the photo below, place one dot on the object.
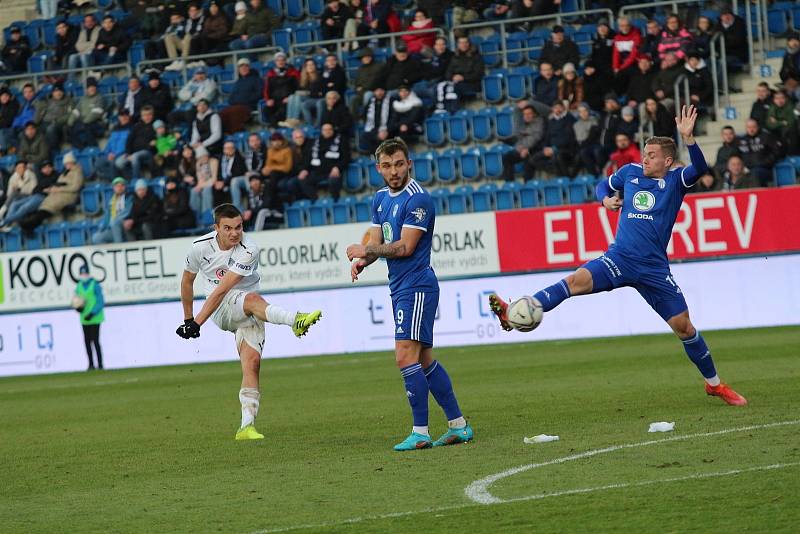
(152, 450)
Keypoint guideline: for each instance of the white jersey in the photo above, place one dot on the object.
(211, 263)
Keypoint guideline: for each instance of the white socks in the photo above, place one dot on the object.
(458, 422)
(421, 430)
(713, 381)
(249, 397)
(277, 315)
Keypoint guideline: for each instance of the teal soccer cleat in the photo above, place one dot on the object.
(455, 436)
(413, 442)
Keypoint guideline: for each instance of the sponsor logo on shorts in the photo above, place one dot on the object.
(644, 201)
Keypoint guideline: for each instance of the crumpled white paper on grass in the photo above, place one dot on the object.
(662, 426)
(541, 438)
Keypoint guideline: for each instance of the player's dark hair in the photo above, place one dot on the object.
(667, 145)
(390, 146)
(226, 211)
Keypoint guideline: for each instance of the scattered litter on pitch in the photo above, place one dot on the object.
(541, 438)
(662, 426)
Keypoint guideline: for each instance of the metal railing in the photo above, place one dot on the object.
(503, 23)
(719, 66)
(143, 65)
(84, 73)
(682, 82)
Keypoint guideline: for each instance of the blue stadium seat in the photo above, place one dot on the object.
(375, 180)
(33, 32)
(493, 160)
(424, 169)
(493, 88)
(518, 85)
(87, 159)
(458, 201)
(795, 161)
(553, 191)
(305, 33)
(341, 211)
(482, 124)
(363, 209)
(34, 240)
(458, 127)
(439, 198)
(276, 6)
(529, 194)
(295, 10)
(105, 4)
(777, 22)
(78, 233)
(38, 61)
(796, 18)
(315, 7)
(470, 164)
(483, 199)
(446, 165)
(580, 188)
(318, 212)
(490, 50)
(107, 84)
(91, 199)
(282, 38)
(568, 6)
(784, 174)
(435, 133)
(535, 46)
(55, 235)
(136, 53)
(8, 162)
(49, 33)
(157, 185)
(507, 197)
(12, 240)
(515, 42)
(297, 214)
(504, 123)
(354, 177)
(74, 88)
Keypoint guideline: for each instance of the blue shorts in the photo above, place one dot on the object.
(414, 313)
(654, 283)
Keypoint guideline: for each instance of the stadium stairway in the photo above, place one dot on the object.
(14, 10)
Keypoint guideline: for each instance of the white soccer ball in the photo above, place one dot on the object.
(525, 314)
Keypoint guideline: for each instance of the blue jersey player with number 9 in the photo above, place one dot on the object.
(402, 231)
(652, 196)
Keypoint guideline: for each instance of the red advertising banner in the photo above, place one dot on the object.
(718, 224)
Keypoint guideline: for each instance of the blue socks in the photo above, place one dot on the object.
(552, 296)
(442, 389)
(698, 352)
(417, 392)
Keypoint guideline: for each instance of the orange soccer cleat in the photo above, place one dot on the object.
(500, 309)
(727, 394)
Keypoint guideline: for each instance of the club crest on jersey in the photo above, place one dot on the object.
(661, 183)
(644, 201)
(419, 214)
(388, 234)
(220, 273)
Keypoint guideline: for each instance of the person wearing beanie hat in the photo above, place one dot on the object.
(157, 94)
(334, 18)
(86, 123)
(252, 29)
(570, 87)
(166, 157)
(369, 75)
(52, 116)
(280, 83)
(145, 215)
(88, 301)
(14, 57)
(117, 209)
(629, 124)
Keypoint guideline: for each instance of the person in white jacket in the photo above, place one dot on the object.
(407, 115)
(200, 87)
(21, 187)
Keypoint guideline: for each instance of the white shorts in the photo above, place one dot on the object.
(230, 316)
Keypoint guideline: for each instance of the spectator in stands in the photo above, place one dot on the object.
(353, 24)
(629, 125)
(658, 118)
(652, 39)
(336, 113)
(595, 85)
(86, 122)
(465, 70)
(166, 157)
(558, 146)
(255, 155)
(254, 28)
(300, 146)
(790, 67)
(232, 173)
(626, 152)
(407, 115)
(186, 168)
(560, 50)
(418, 42)
(177, 213)
(139, 147)
(119, 206)
(707, 183)
(33, 146)
(368, 76)
(200, 87)
(84, 45)
(279, 83)
(640, 87)
(20, 197)
(332, 78)
(378, 18)
(498, 10)
(310, 88)
(587, 135)
(63, 193)
(276, 172)
(737, 176)
(603, 45)
(9, 107)
(112, 43)
(702, 35)
(206, 174)
(610, 123)
(782, 122)
(14, 56)
(105, 167)
(376, 119)
(175, 39)
(730, 147)
(66, 36)
(326, 161)
(664, 81)
(734, 32)
(570, 87)
(157, 95)
(437, 8)
(436, 64)
(760, 108)
(214, 35)
(146, 213)
(466, 11)
(545, 86)
(132, 100)
(701, 86)
(402, 69)
(675, 38)
(27, 108)
(256, 212)
(333, 20)
(207, 129)
(759, 151)
(529, 129)
(44, 179)
(627, 45)
(244, 98)
(193, 27)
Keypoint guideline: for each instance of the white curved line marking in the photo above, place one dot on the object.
(478, 491)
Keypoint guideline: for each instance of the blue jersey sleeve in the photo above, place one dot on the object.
(376, 201)
(419, 212)
(615, 183)
(699, 167)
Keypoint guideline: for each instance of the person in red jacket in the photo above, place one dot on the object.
(280, 83)
(625, 153)
(626, 46)
(418, 42)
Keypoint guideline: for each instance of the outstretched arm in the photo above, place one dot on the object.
(187, 293)
(685, 124)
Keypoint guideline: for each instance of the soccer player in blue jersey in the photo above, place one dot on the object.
(402, 230)
(652, 194)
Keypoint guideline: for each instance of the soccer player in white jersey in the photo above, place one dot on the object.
(653, 193)
(227, 261)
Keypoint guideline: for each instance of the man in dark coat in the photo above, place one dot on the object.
(14, 57)
(112, 43)
(144, 219)
(560, 50)
(158, 95)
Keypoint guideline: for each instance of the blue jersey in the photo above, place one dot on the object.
(650, 207)
(410, 208)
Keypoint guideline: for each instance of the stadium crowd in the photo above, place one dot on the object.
(584, 115)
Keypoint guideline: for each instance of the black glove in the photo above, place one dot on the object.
(79, 310)
(189, 329)
(88, 316)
